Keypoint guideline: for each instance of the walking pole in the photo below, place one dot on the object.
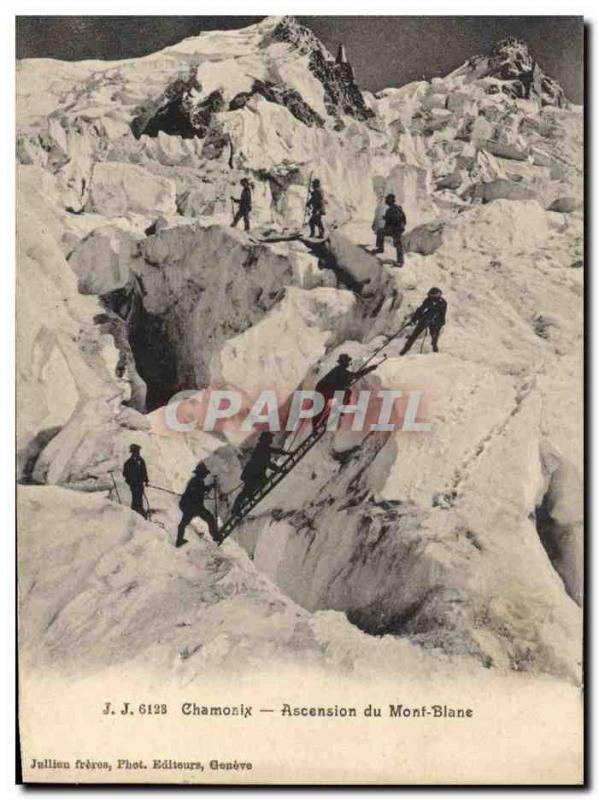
(149, 512)
(118, 497)
(308, 196)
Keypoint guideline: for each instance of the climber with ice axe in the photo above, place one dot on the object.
(192, 504)
(394, 224)
(135, 474)
(245, 205)
(339, 379)
(430, 315)
(317, 205)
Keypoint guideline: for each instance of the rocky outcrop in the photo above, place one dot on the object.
(290, 98)
(520, 76)
(342, 95)
(179, 112)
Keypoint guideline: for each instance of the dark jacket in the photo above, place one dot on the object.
(431, 312)
(194, 495)
(260, 461)
(245, 201)
(135, 472)
(395, 219)
(316, 201)
(338, 379)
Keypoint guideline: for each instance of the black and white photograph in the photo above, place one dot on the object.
(300, 399)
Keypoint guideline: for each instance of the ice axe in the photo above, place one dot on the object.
(373, 355)
(388, 340)
(382, 361)
(215, 487)
(149, 511)
(118, 497)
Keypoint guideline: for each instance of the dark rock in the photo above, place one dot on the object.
(283, 96)
(341, 92)
(511, 62)
(177, 113)
(289, 30)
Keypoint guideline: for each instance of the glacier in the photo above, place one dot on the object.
(456, 552)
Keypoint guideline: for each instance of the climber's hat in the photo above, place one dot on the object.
(134, 448)
(344, 360)
(390, 199)
(245, 181)
(316, 182)
(266, 436)
(202, 469)
(434, 290)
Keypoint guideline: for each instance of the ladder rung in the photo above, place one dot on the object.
(270, 484)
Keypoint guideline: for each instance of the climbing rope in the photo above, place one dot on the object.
(160, 489)
(388, 341)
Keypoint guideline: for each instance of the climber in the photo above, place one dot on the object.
(317, 204)
(192, 505)
(430, 314)
(338, 379)
(136, 476)
(245, 205)
(395, 224)
(254, 472)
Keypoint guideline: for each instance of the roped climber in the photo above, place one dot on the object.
(192, 505)
(254, 473)
(395, 224)
(430, 314)
(245, 205)
(135, 474)
(338, 379)
(317, 205)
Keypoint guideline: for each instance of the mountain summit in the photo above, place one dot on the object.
(516, 74)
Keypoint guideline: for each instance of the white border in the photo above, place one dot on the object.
(148, 7)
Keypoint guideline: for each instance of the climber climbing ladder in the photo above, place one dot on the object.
(294, 456)
(290, 462)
